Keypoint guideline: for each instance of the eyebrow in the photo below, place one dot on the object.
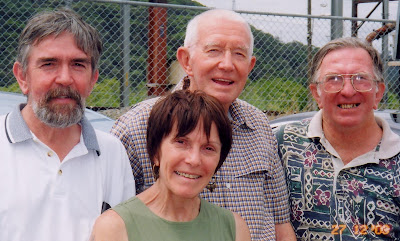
(42, 60)
(51, 59)
(335, 73)
(243, 48)
(218, 143)
(82, 60)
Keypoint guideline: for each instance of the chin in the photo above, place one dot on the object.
(224, 99)
(348, 122)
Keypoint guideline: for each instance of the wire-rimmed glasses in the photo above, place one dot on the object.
(333, 83)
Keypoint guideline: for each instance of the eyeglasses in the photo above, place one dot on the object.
(361, 82)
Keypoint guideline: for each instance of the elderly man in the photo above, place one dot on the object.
(342, 166)
(217, 57)
(57, 171)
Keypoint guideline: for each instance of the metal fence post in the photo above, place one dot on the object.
(126, 55)
(336, 24)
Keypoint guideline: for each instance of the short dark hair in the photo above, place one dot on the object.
(186, 109)
(55, 23)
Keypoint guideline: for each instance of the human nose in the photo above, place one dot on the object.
(64, 76)
(194, 157)
(348, 88)
(226, 62)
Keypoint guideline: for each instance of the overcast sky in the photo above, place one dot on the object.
(319, 7)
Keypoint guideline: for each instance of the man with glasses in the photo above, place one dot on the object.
(343, 166)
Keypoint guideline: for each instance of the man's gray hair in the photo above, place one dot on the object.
(193, 25)
(348, 42)
(55, 23)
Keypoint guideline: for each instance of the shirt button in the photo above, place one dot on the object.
(60, 172)
(50, 154)
(228, 185)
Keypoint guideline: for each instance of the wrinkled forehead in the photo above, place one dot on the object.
(57, 36)
(355, 59)
(220, 34)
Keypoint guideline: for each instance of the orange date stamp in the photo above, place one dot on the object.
(379, 229)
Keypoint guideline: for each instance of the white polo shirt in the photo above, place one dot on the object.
(42, 198)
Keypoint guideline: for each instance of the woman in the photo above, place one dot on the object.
(188, 139)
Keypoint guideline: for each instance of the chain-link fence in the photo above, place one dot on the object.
(141, 39)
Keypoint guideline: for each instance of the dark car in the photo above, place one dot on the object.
(391, 116)
(9, 100)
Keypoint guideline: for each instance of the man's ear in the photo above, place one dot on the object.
(316, 94)
(21, 77)
(379, 94)
(252, 63)
(183, 56)
(93, 81)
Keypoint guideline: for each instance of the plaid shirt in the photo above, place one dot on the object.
(250, 182)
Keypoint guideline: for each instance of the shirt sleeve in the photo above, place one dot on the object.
(117, 176)
(276, 188)
(131, 128)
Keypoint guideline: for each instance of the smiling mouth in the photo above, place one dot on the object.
(348, 106)
(187, 175)
(62, 98)
(223, 81)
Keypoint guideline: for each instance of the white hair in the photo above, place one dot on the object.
(193, 25)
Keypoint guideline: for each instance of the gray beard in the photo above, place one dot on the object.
(59, 116)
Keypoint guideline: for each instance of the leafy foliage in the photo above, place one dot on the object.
(392, 102)
(109, 90)
(270, 95)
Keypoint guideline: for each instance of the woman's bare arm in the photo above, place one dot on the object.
(242, 231)
(284, 232)
(109, 227)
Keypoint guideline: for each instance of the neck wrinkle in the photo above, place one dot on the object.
(168, 206)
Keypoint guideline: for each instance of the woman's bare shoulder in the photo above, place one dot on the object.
(109, 227)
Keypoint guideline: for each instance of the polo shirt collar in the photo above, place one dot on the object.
(315, 127)
(18, 131)
(389, 145)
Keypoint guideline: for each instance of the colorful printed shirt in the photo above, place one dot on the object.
(329, 201)
(250, 182)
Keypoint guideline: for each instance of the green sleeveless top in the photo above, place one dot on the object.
(212, 224)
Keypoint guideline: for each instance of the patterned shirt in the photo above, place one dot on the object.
(329, 201)
(250, 182)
